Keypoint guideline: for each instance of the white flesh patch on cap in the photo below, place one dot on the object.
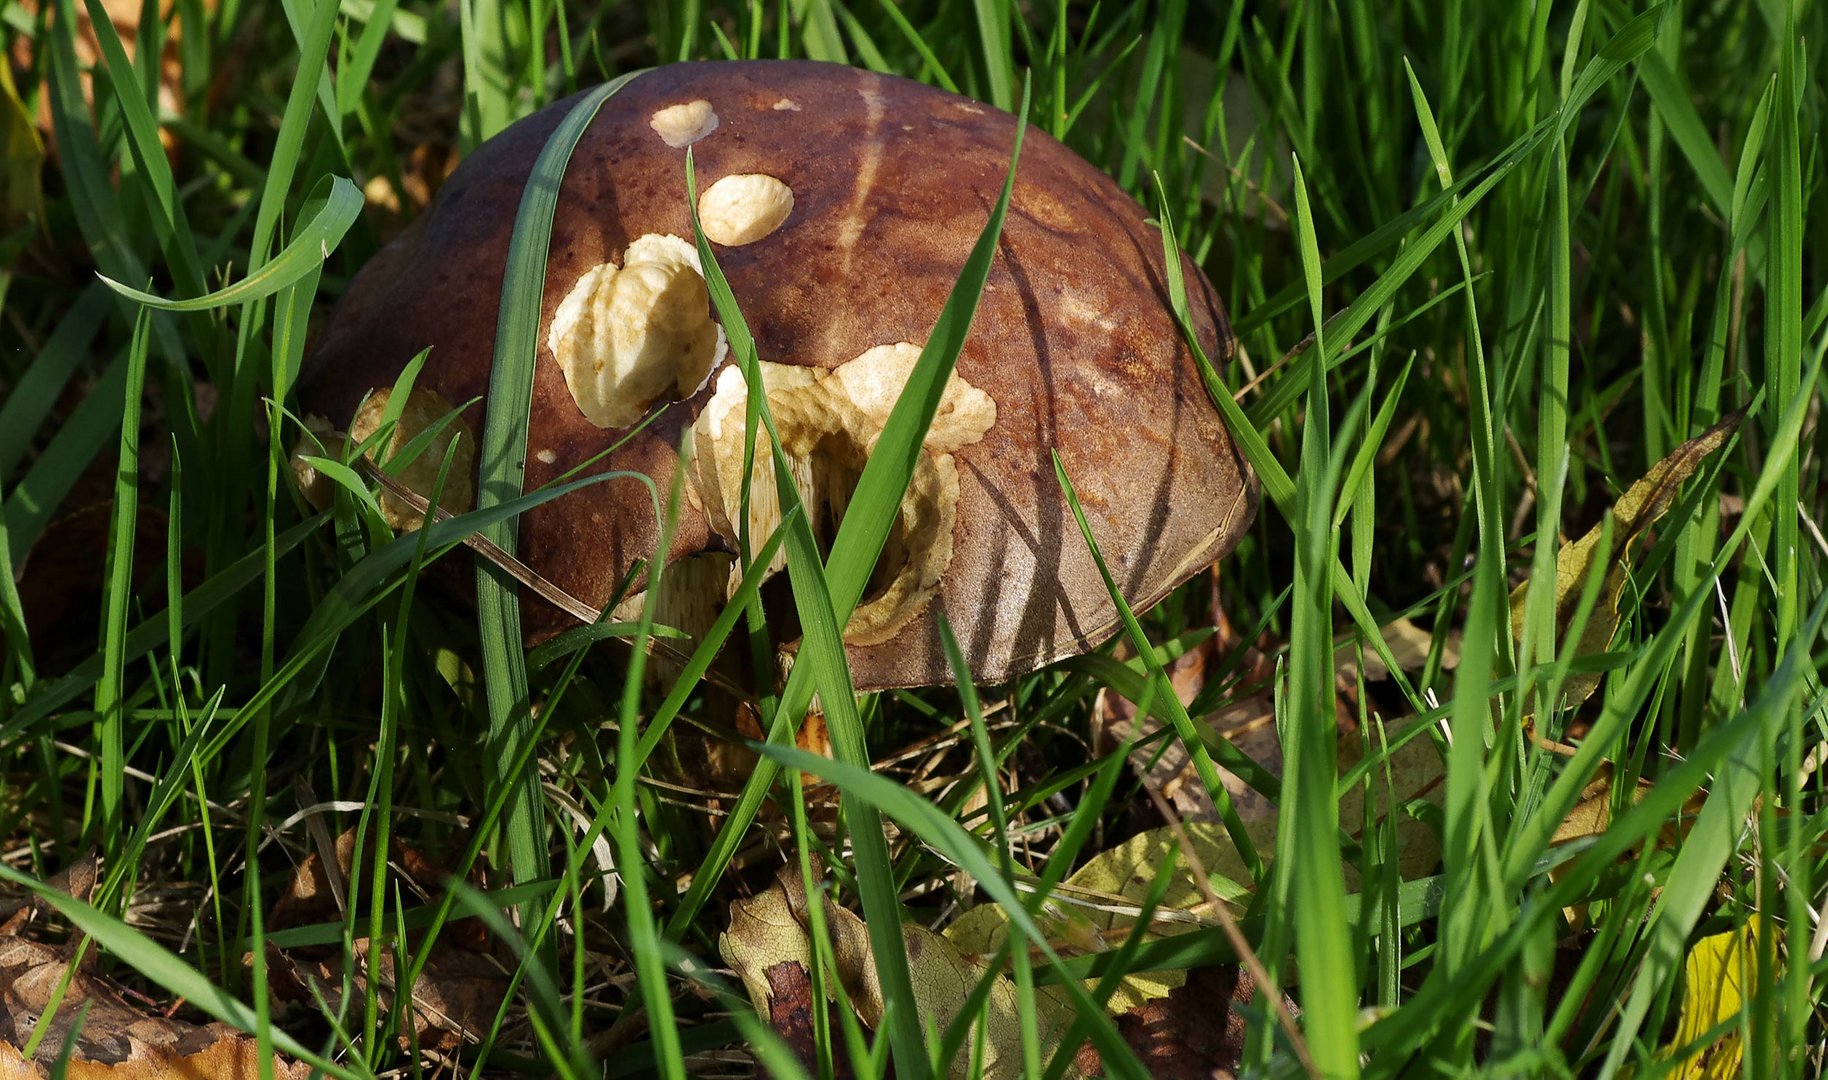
(684, 124)
(423, 409)
(743, 208)
(787, 104)
(628, 336)
(829, 423)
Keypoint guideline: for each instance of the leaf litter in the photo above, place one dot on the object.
(100, 1030)
(1167, 1016)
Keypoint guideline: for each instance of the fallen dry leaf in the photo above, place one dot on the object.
(790, 1015)
(769, 932)
(110, 1034)
(1592, 815)
(1194, 1033)
(1633, 514)
(1249, 723)
(124, 16)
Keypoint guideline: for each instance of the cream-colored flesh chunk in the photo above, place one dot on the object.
(829, 424)
(744, 208)
(628, 336)
(683, 124)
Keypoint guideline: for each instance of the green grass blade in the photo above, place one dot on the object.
(110, 690)
(68, 346)
(502, 463)
(1308, 857)
(342, 203)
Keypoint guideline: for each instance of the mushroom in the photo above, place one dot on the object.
(841, 205)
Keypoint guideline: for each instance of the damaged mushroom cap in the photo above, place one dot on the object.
(841, 205)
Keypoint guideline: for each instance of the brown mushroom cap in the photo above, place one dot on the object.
(887, 184)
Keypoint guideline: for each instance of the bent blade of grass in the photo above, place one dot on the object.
(502, 466)
(822, 657)
(855, 549)
(822, 650)
(342, 204)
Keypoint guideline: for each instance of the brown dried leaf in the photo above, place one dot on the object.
(1194, 1033)
(125, 17)
(1248, 723)
(1095, 908)
(1592, 815)
(790, 1014)
(768, 935)
(118, 1038)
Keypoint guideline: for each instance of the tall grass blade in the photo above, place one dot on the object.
(502, 464)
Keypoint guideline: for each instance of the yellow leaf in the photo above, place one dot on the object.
(1716, 976)
(1634, 513)
(1094, 910)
